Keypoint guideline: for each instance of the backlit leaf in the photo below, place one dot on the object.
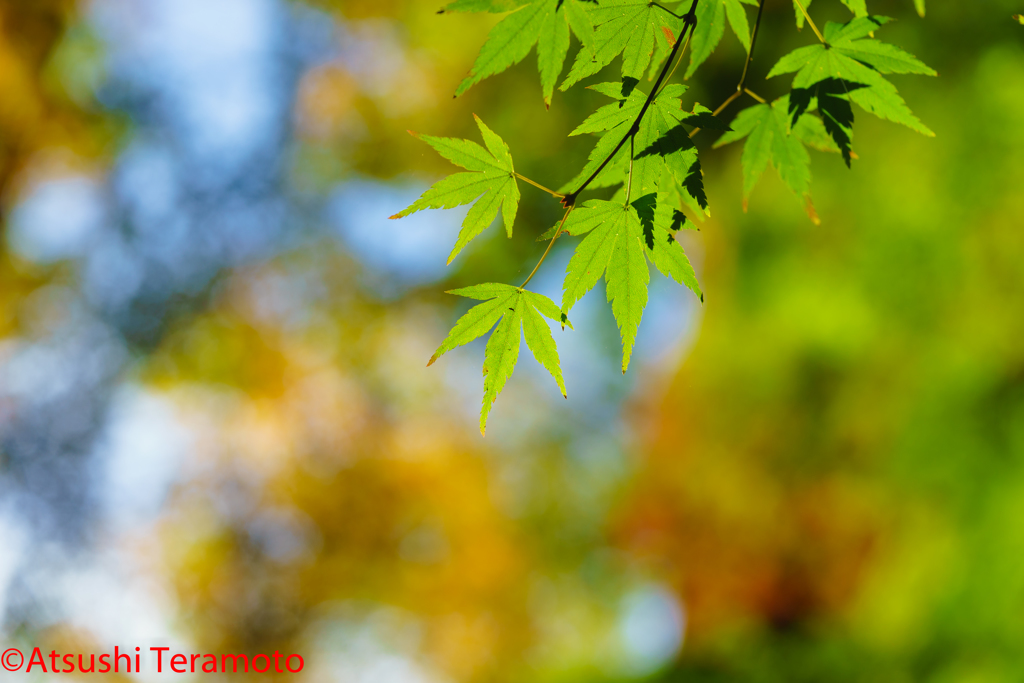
(517, 313)
(853, 58)
(711, 18)
(627, 28)
(490, 182)
(544, 23)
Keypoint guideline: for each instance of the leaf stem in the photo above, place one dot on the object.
(753, 42)
(569, 200)
(548, 250)
(655, 4)
(689, 23)
(732, 98)
(740, 87)
(755, 96)
(538, 185)
(810, 21)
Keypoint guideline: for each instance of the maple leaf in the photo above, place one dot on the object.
(663, 250)
(518, 313)
(490, 182)
(799, 13)
(623, 27)
(544, 23)
(711, 18)
(772, 140)
(612, 248)
(616, 237)
(854, 63)
(664, 157)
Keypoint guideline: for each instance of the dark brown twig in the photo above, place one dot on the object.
(741, 86)
(689, 23)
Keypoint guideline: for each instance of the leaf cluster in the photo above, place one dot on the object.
(644, 156)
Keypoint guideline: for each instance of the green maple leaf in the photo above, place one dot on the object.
(664, 158)
(857, 62)
(613, 248)
(490, 182)
(544, 23)
(771, 139)
(659, 230)
(615, 239)
(711, 18)
(623, 27)
(518, 313)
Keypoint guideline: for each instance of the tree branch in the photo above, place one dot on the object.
(741, 86)
(659, 6)
(679, 60)
(753, 42)
(689, 23)
(569, 200)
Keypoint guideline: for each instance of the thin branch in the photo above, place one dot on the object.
(538, 185)
(569, 200)
(679, 60)
(753, 42)
(740, 87)
(667, 10)
(810, 21)
(690, 21)
(723, 105)
(548, 250)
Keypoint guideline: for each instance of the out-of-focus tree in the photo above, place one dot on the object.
(833, 479)
(324, 490)
(37, 113)
(39, 122)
